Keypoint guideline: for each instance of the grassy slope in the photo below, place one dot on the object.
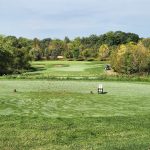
(64, 115)
(69, 68)
(74, 70)
(49, 69)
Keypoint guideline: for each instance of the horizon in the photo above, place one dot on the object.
(67, 36)
(80, 18)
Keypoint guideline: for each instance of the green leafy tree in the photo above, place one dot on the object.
(6, 61)
(36, 51)
(56, 48)
(66, 40)
(21, 59)
(87, 53)
(76, 53)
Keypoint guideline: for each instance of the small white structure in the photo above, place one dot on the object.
(100, 89)
(60, 57)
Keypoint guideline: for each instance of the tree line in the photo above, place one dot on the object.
(16, 53)
(84, 48)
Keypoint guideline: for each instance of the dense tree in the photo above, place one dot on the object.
(79, 48)
(36, 51)
(66, 40)
(68, 51)
(86, 53)
(76, 53)
(16, 53)
(21, 59)
(104, 52)
(6, 61)
(131, 58)
(24, 43)
(56, 48)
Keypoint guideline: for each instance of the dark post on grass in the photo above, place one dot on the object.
(100, 89)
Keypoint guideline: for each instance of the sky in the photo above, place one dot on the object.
(73, 18)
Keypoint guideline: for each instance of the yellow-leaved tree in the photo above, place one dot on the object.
(131, 58)
(104, 52)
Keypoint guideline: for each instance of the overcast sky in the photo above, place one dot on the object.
(72, 18)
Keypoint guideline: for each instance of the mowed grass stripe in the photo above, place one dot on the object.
(64, 115)
(73, 98)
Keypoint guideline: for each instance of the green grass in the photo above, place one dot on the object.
(67, 69)
(61, 69)
(64, 115)
(73, 70)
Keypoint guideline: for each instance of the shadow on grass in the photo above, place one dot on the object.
(33, 69)
(91, 92)
(104, 92)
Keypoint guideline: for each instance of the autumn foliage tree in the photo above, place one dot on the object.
(131, 58)
(104, 52)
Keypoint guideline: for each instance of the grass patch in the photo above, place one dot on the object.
(65, 69)
(73, 70)
(64, 115)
